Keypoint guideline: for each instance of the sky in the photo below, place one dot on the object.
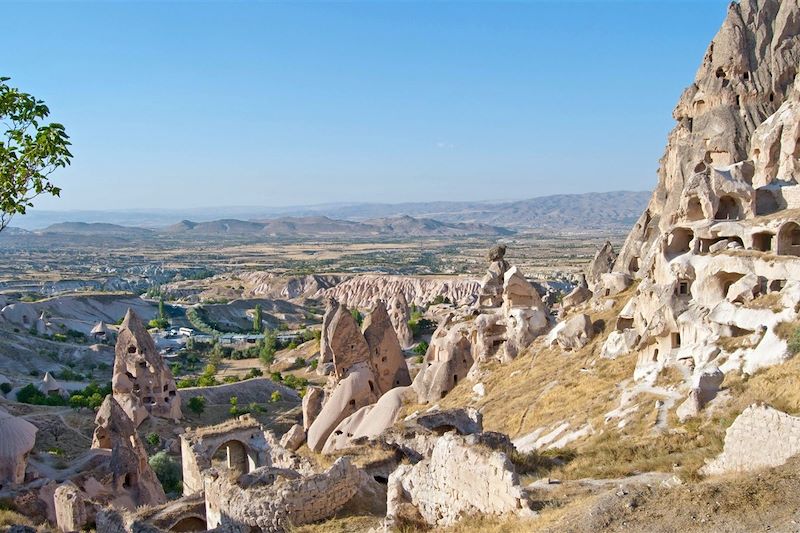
(195, 104)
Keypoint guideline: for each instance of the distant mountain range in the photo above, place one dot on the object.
(285, 227)
(588, 211)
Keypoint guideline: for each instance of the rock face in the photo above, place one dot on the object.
(387, 356)
(130, 471)
(760, 437)
(509, 316)
(142, 383)
(366, 366)
(17, 439)
(602, 263)
(362, 291)
(325, 351)
(400, 314)
(294, 438)
(447, 361)
(274, 499)
(457, 480)
(575, 333)
(312, 405)
(71, 513)
(720, 232)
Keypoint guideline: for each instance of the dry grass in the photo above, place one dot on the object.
(769, 301)
(10, 518)
(669, 376)
(545, 386)
(347, 524)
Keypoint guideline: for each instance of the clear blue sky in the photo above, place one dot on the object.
(238, 103)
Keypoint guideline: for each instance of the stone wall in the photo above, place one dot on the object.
(274, 499)
(760, 437)
(457, 480)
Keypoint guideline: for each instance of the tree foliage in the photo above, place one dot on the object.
(30, 151)
(167, 471)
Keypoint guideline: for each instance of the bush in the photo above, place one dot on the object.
(421, 348)
(419, 359)
(299, 362)
(158, 323)
(314, 364)
(253, 373)
(359, 318)
(276, 376)
(794, 342)
(167, 471)
(197, 404)
(230, 379)
(5, 388)
(294, 382)
(153, 439)
(31, 395)
(276, 397)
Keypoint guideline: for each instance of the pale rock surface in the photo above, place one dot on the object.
(400, 314)
(387, 356)
(457, 480)
(294, 438)
(142, 383)
(760, 437)
(312, 405)
(576, 333)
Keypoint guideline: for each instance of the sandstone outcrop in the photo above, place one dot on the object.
(142, 383)
(447, 361)
(294, 438)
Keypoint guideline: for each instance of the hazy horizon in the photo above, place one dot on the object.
(284, 104)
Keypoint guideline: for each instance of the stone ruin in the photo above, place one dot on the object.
(745, 441)
(458, 479)
(142, 383)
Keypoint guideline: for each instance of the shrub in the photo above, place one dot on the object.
(158, 323)
(299, 362)
(421, 348)
(152, 439)
(197, 404)
(276, 376)
(230, 379)
(5, 388)
(253, 373)
(186, 383)
(419, 359)
(794, 342)
(167, 471)
(359, 318)
(314, 364)
(276, 397)
(294, 382)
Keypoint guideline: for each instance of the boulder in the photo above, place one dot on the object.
(294, 438)
(575, 333)
(312, 405)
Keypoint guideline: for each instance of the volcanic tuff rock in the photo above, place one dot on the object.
(746, 75)
(142, 383)
(400, 314)
(362, 291)
(457, 480)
